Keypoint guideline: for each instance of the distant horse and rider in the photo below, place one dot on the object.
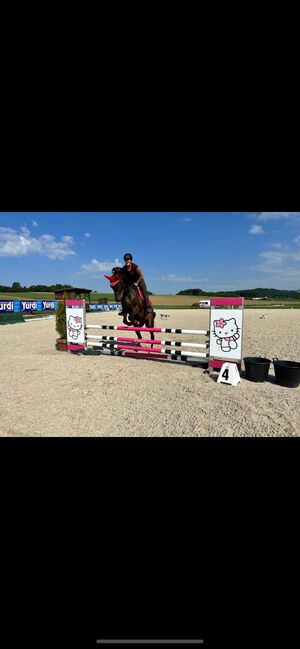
(130, 289)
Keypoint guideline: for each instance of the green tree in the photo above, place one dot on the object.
(60, 317)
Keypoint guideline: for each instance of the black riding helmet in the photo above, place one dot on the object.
(127, 256)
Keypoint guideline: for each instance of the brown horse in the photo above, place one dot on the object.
(132, 304)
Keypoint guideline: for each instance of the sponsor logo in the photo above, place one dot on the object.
(28, 306)
(7, 306)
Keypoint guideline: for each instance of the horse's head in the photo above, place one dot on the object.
(116, 282)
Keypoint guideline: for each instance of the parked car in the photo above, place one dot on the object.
(201, 304)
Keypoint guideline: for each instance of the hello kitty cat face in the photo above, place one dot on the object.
(225, 328)
(74, 322)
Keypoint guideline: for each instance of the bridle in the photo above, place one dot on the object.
(114, 281)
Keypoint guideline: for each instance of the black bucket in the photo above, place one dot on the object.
(287, 373)
(257, 368)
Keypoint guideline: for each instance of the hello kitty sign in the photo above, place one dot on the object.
(226, 333)
(74, 325)
(75, 318)
(226, 327)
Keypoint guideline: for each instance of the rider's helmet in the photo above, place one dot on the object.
(127, 256)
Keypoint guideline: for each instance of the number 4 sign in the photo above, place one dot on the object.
(229, 374)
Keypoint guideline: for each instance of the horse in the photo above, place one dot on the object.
(132, 303)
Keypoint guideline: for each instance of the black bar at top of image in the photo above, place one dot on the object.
(200, 641)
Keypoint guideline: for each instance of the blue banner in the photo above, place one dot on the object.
(7, 306)
(105, 307)
(30, 306)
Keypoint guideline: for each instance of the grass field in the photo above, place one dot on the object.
(161, 301)
(27, 296)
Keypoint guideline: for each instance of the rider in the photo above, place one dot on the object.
(135, 274)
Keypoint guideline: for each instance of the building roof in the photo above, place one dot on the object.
(76, 290)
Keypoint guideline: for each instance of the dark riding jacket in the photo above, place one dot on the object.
(134, 276)
(131, 274)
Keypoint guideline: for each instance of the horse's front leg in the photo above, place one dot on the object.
(149, 322)
(139, 335)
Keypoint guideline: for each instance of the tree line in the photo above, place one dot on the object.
(271, 293)
(16, 287)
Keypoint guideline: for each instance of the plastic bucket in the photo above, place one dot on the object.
(287, 373)
(257, 368)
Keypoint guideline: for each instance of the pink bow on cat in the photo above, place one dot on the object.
(221, 323)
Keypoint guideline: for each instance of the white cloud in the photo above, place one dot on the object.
(256, 229)
(274, 216)
(279, 246)
(68, 240)
(20, 243)
(6, 230)
(25, 231)
(96, 267)
(187, 219)
(179, 278)
(280, 256)
(87, 235)
(282, 264)
(34, 223)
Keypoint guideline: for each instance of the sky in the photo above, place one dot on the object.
(213, 251)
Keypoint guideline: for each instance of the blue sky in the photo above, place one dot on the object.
(176, 251)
